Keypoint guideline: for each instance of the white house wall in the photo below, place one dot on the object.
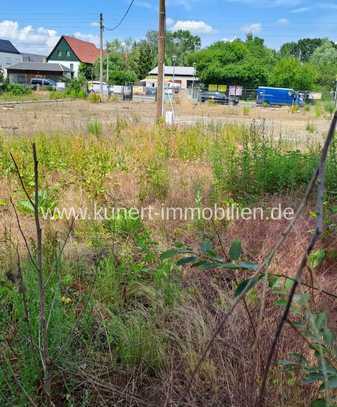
(74, 66)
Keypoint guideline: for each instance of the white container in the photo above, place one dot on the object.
(169, 118)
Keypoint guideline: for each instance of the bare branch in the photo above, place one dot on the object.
(21, 180)
(267, 261)
(318, 231)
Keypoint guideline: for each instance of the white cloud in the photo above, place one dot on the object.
(38, 40)
(282, 21)
(229, 39)
(252, 28)
(29, 39)
(144, 4)
(196, 27)
(94, 24)
(300, 10)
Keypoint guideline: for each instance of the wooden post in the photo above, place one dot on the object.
(161, 59)
(101, 29)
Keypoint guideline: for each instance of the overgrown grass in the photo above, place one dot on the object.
(245, 162)
(120, 313)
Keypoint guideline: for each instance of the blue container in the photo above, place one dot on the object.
(278, 96)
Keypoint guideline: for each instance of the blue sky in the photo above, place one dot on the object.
(35, 26)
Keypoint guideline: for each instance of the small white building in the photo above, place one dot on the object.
(184, 76)
(9, 55)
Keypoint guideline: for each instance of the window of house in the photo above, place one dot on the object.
(59, 53)
(68, 53)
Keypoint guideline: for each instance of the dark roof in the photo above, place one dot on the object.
(8, 47)
(37, 66)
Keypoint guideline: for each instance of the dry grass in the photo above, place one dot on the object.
(131, 164)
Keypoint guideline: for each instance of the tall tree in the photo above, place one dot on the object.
(302, 50)
(179, 44)
(237, 62)
(325, 59)
(141, 59)
(291, 73)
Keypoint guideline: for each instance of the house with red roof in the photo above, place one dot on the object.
(71, 52)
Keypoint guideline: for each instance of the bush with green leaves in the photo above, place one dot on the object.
(14, 89)
(76, 88)
(259, 165)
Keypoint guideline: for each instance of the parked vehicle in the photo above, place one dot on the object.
(218, 97)
(278, 97)
(41, 82)
(174, 86)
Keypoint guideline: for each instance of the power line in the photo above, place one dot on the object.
(122, 19)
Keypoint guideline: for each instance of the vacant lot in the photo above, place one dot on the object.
(74, 116)
(132, 303)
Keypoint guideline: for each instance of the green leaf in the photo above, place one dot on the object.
(313, 377)
(319, 403)
(248, 266)
(169, 254)
(25, 206)
(186, 260)
(208, 265)
(316, 258)
(330, 384)
(206, 246)
(235, 250)
(247, 285)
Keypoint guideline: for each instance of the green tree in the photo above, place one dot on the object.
(302, 50)
(289, 72)
(325, 59)
(179, 44)
(245, 63)
(87, 71)
(142, 59)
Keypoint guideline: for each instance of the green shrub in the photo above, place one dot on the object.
(76, 88)
(310, 128)
(259, 166)
(95, 128)
(137, 341)
(154, 181)
(56, 95)
(329, 107)
(94, 98)
(14, 89)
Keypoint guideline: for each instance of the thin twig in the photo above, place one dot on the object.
(22, 233)
(249, 315)
(21, 180)
(266, 263)
(318, 231)
(42, 288)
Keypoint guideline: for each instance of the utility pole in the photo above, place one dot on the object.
(101, 30)
(161, 59)
(107, 64)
